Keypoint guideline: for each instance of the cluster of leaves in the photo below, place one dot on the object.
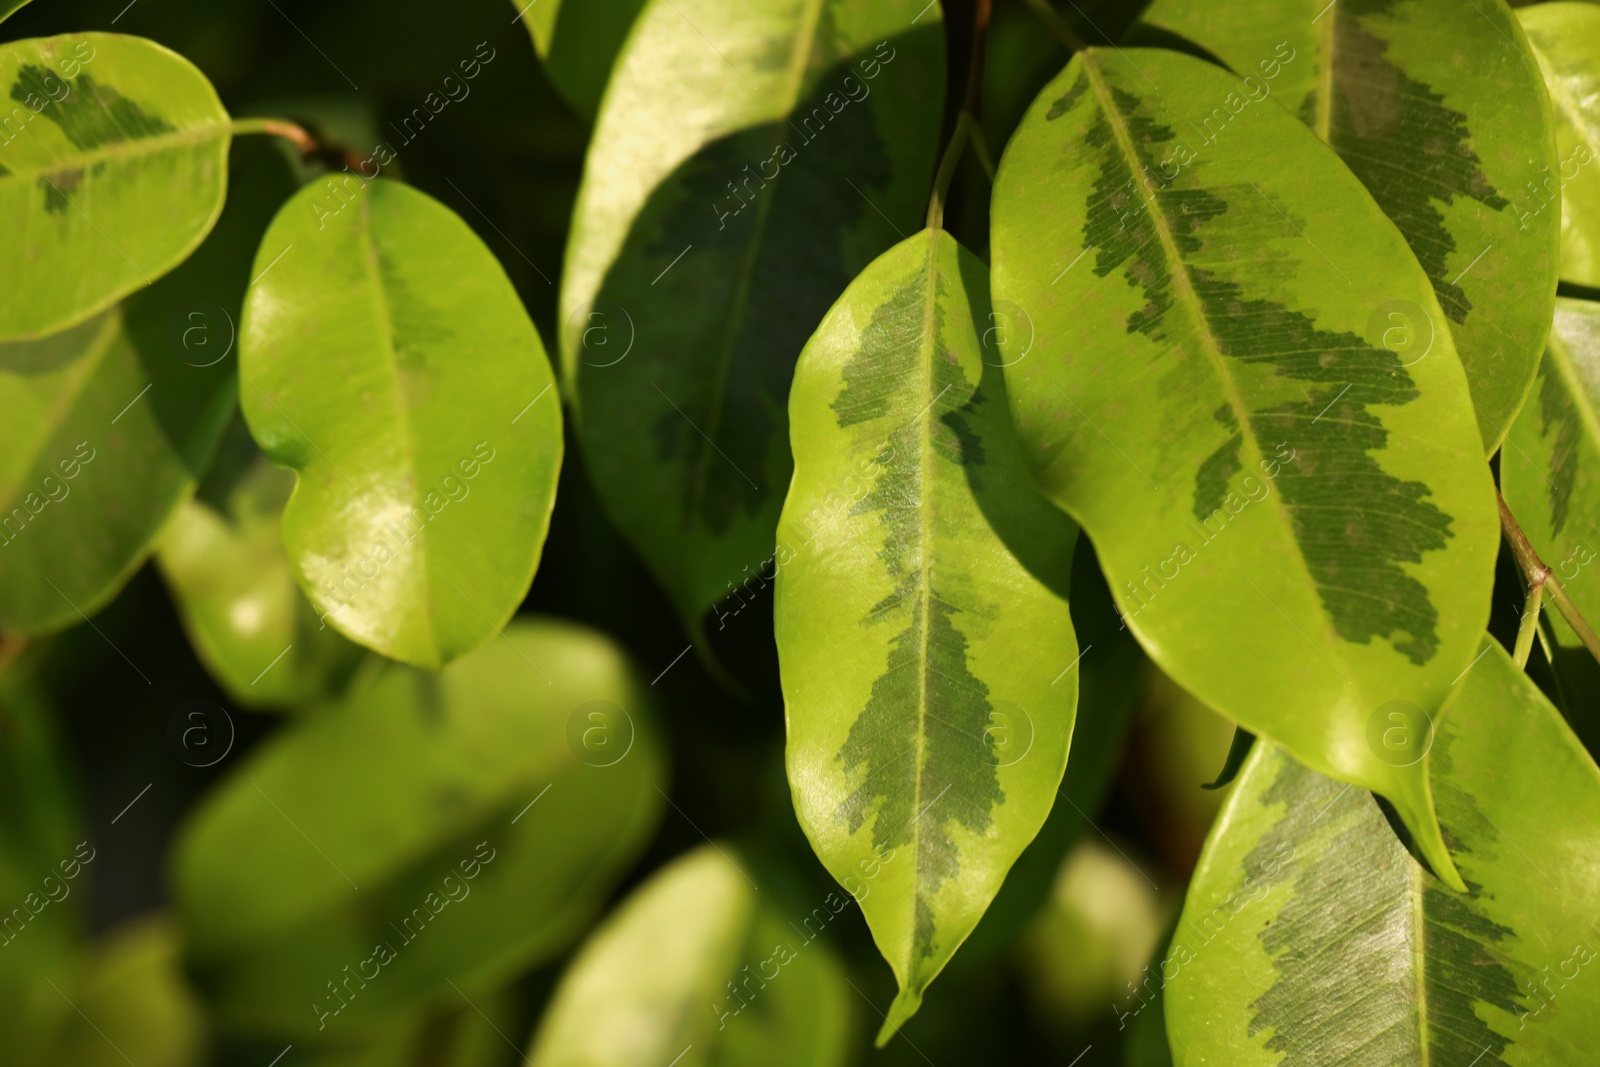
(1263, 300)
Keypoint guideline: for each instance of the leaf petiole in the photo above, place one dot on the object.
(1539, 578)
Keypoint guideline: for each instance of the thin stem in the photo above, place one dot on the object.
(304, 141)
(980, 148)
(947, 170)
(1057, 25)
(1539, 575)
(1530, 623)
(968, 117)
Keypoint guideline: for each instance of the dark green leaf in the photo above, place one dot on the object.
(749, 160)
(578, 41)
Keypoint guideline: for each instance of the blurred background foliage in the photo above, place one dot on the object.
(1058, 969)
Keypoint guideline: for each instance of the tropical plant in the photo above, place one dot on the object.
(1148, 452)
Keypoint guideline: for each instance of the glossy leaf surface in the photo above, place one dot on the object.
(386, 358)
(1437, 106)
(1311, 936)
(702, 928)
(921, 614)
(223, 557)
(578, 41)
(113, 169)
(749, 160)
(1566, 40)
(110, 424)
(483, 813)
(1550, 472)
(1296, 521)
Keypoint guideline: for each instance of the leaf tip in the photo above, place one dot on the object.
(905, 1005)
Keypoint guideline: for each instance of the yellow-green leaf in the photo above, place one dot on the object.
(926, 647)
(1311, 937)
(1566, 41)
(1296, 520)
(113, 168)
(469, 823)
(1438, 107)
(701, 934)
(385, 357)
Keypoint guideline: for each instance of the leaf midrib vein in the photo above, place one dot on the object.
(1210, 345)
(380, 306)
(143, 146)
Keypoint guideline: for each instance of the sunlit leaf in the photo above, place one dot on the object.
(1296, 520)
(1550, 471)
(921, 611)
(578, 41)
(113, 168)
(701, 935)
(1311, 936)
(386, 358)
(428, 830)
(1437, 106)
(749, 160)
(109, 425)
(1566, 40)
(223, 557)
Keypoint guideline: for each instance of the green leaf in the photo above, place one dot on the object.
(502, 798)
(1101, 924)
(223, 558)
(110, 424)
(126, 1002)
(1550, 471)
(1297, 522)
(1565, 37)
(706, 936)
(579, 42)
(921, 617)
(112, 171)
(715, 225)
(386, 358)
(1311, 936)
(11, 7)
(1437, 106)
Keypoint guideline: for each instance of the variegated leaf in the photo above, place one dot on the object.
(1550, 470)
(113, 168)
(1437, 106)
(1288, 498)
(923, 633)
(1311, 938)
(748, 161)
